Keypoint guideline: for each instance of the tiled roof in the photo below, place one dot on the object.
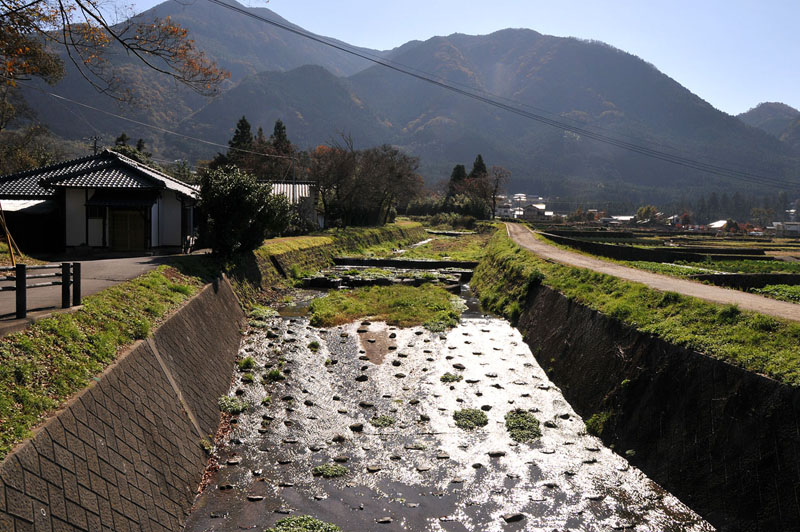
(107, 169)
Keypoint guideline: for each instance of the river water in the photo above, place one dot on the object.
(422, 473)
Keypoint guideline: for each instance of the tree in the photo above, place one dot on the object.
(31, 32)
(478, 168)
(122, 140)
(498, 178)
(27, 149)
(240, 212)
(646, 213)
(457, 177)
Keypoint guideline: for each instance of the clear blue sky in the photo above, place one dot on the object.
(732, 53)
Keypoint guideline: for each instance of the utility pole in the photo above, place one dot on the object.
(94, 140)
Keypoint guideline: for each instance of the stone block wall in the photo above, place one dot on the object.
(125, 453)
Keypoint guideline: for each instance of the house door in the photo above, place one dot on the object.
(127, 230)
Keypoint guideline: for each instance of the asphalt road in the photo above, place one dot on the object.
(716, 294)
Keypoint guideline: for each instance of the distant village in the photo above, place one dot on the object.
(533, 208)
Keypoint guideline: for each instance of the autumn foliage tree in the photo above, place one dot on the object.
(32, 32)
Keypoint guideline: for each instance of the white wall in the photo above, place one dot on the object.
(170, 220)
(74, 199)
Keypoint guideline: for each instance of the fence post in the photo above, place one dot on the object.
(65, 285)
(22, 295)
(76, 283)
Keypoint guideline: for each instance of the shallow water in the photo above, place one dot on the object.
(422, 473)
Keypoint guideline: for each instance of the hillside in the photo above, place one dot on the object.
(582, 83)
(773, 117)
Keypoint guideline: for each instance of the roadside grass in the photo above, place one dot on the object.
(403, 306)
(784, 292)
(5, 258)
(52, 359)
(750, 340)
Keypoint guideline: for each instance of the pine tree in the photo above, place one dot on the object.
(457, 178)
(242, 138)
(478, 168)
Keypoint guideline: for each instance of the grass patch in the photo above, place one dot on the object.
(449, 377)
(522, 426)
(303, 523)
(784, 292)
(403, 306)
(313, 346)
(470, 418)
(246, 363)
(769, 346)
(464, 247)
(330, 471)
(52, 359)
(382, 421)
(274, 375)
(232, 405)
(596, 423)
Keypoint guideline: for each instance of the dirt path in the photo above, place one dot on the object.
(744, 300)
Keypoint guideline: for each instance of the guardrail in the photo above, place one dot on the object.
(21, 285)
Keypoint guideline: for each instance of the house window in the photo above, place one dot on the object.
(95, 211)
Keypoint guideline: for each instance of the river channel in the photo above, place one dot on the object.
(421, 473)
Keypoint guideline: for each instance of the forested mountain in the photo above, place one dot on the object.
(773, 117)
(581, 83)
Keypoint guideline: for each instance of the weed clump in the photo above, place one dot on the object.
(274, 375)
(248, 378)
(522, 426)
(449, 377)
(246, 364)
(329, 471)
(303, 523)
(313, 346)
(596, 423)
(382, 421)
(232, 405)
(470, 418)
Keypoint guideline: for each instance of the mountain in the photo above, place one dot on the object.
(585, 84)
(773, 117)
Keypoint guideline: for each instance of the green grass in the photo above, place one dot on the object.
(303, 523)
(52, 359)
(784, 292)
(753, 341)
(464, 247)
(449, 377)
(329, 471)
(232, 405)
(382, 421)
(470, 418)
(522, 426)
(273, 375)
(596, 423)
(246, 363)
(403, 306)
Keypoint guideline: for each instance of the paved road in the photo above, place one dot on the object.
(96, 275)
(744, 300)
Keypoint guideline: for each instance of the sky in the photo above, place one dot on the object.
(732, 53)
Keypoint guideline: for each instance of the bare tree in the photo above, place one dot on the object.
(498, 179)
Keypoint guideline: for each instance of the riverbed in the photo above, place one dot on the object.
(419, 472)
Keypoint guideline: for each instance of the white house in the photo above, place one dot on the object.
(105, 201)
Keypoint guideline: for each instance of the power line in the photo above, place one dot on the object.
(151, 126)
(491, 100)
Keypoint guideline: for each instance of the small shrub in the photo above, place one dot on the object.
(596, 423)
(248, 378)
(382, 421)
(522, 426)
(313, 346)
(329, 471)
(246, 364)
(232, 405)
(274, 375)
(303, 523)
(470, 418)
(449, 377)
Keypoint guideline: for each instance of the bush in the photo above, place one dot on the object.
(239, 211)
(246, 364)
(596, 423)
(232, 405)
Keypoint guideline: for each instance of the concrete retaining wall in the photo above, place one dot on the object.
(125, 454)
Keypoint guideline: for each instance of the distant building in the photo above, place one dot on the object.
(787, 229)
(535, 212)
(504, 210)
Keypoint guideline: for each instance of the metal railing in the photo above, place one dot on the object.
(20, 276)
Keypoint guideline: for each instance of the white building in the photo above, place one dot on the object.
(105, 201)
